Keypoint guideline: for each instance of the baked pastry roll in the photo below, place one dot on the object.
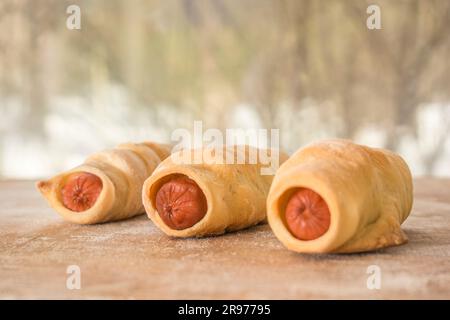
(211, 197)
(337, 196)
(107, 186)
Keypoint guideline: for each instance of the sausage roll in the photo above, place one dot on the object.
(338, 196)
(107, 186)
(186, 199)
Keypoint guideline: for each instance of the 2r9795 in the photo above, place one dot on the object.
(245, 309)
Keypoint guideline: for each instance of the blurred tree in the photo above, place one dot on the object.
(309, 67)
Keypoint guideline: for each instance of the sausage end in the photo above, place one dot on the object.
(80, 191)
(307, 215)
(180, 203)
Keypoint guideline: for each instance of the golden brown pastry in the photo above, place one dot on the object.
(107, 186)
(186, 200)
(338, 196)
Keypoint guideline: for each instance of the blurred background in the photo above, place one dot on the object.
(140, 69)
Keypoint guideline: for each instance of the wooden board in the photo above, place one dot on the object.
(133, 259)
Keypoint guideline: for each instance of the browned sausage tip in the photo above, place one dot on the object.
(180, 203)
(307, 215)
(81, 190)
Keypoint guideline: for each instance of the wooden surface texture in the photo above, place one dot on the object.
(133, 259)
